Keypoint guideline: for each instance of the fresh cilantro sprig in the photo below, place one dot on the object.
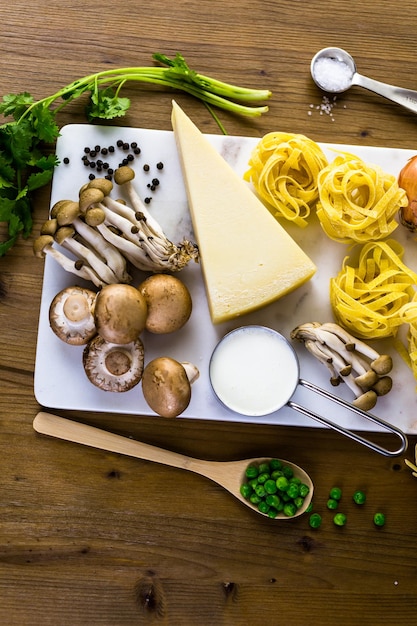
(26, 162)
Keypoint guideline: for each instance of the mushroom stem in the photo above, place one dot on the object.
(114, 259)
(191, 370)
(133, 253)
(123, 177)
(43, 245)
(64, 236)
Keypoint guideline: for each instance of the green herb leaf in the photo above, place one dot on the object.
(39, 179)
(15, 104)
(105, 104)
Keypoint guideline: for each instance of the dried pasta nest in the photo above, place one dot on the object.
(373, 298)
(283, 170)
(358, 202)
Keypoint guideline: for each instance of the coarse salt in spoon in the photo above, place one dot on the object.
(228, 474)
(334, 71)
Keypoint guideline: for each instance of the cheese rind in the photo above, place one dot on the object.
(248, 259)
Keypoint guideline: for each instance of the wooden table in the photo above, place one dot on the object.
(90, 537)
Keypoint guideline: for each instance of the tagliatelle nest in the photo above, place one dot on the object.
(283, 169)
(358, 202)
(378, 295)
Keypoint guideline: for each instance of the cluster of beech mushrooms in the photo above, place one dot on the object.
(349, 360)
(106, 238)
(104, 235)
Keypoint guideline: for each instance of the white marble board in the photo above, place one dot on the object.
(60, 381)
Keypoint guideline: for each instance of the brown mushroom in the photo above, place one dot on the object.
(120, 313)
(113, 367)
(166, 385)
(169, 303)
(71, 315)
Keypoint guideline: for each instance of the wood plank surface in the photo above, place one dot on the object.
(90, 537)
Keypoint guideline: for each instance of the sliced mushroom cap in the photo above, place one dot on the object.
(71, 315)
(169, 303)
(166, 386)
(120, 313)
(113, 367)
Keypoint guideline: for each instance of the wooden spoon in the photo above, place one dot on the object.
(229, 475)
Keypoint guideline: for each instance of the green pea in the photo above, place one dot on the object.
(276, 474)
(260, 491)
(379, 519)
(282, 483)
(315, 520)
(262, 478)
(332, 503)
(263, 506)
(288, 471)
(246, 490)
(359, 497)
(299, 502)
(273, 500)
(295, 480)
(340, 519)
(289, 509)
(275, 464)
(264, 468)
(254, 498)
(270, 486)
(293, 490)
(335, 493)
(304, 490)
(272, 512)
(251, 471)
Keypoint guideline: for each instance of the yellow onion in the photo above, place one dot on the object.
(407, 180)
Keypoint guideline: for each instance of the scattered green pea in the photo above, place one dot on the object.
(332, 503)
(340, 519)
(379, 519)
(315, 520)
(335, 493)
(359, 497)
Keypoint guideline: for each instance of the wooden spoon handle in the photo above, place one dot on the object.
(55, 426)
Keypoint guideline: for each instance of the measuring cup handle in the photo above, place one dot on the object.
(345, 431)
(406, 97)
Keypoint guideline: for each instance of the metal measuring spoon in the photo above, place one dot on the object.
(229, 474)
(334, 71)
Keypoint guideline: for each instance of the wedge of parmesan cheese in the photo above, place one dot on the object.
(248, 260)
